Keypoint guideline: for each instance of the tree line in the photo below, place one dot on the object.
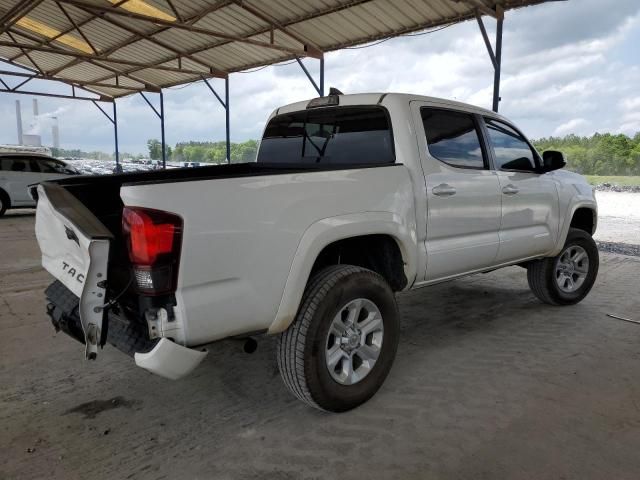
(599, 154)
(211, 152)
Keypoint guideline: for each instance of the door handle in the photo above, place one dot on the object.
(443, 190)
(510, 189)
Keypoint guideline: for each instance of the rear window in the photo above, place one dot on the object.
(341, 135)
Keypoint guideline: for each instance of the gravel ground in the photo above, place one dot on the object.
(488, 384)
(618, 217)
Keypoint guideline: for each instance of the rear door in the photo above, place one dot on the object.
(530, 206)
(16, 175)
(75, 250)
(463, 195)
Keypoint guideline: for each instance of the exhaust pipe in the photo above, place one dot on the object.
(250, 345)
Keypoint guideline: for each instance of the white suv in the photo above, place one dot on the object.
(19, 170)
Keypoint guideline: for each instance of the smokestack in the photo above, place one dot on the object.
(19, 121)
(35, 107)
(55, 133)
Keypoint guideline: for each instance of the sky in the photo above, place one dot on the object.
(567, 67)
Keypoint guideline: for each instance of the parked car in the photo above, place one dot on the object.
(352, 199)
(19, 170)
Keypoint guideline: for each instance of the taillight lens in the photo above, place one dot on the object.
(153, 240)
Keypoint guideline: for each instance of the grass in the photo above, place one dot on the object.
(614, 180)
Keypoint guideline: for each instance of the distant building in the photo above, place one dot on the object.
(29, 140)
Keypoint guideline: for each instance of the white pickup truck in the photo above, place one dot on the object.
(352, 199)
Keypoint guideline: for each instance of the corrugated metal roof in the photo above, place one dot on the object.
(115, 47)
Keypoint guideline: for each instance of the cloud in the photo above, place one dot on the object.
(572, 126)
(563, 63)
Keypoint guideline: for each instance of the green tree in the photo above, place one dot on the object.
(600, 154)
(155, 149)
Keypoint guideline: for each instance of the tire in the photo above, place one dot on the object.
(4, 202)
(333, 297)
(560, 281)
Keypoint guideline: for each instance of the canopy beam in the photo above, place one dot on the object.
(160, 115)
(319, 88)
(113, 118)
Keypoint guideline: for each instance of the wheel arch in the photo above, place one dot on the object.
(321, 237)
(584, 218)
(6, 201)
(583, 215)
(5, 196)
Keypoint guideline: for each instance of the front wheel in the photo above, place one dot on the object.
(568, 277)
(340, 347)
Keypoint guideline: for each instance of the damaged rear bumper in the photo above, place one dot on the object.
(170, 360)
(160, 356)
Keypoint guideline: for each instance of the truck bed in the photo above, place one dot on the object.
(101, 195)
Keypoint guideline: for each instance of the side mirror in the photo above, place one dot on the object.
(552, 160)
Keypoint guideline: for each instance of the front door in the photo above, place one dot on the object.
(529, 199)
(463, 194)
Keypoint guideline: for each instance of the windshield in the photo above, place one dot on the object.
(338, 135)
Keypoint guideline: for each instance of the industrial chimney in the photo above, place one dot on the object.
(19, 121)
(55, 132)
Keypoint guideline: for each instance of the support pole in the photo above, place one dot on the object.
(225, 105)
(115, 131)
(160, 115)
(319, 89)
(322, 77)
(496, 58)
(227, 119)
(164, 147)
(498, 55)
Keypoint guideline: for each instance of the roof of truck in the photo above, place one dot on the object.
(379, 98)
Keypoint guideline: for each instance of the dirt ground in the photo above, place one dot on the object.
(488, 384)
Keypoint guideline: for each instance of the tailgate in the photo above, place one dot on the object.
(75, 250)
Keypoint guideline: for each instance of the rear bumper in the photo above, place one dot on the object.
(170, 360)
(160, 356)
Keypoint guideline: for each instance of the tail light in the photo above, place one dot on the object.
(153, 240)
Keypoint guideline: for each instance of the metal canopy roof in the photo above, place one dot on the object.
(118, 47)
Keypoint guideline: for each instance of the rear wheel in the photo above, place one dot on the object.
(340, 348)
(568, 277)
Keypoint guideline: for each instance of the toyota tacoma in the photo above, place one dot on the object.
(351, 199)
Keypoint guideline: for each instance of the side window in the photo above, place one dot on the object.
(511, 151)
(49, 166)
(35, 165)
(15, 165)
(452, 137)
